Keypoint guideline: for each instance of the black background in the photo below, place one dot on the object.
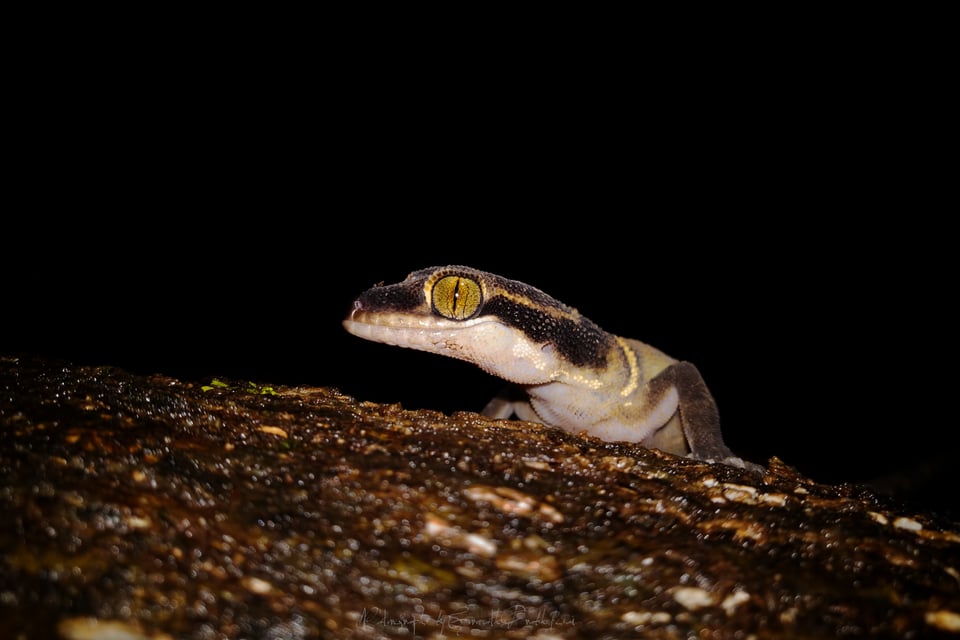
(782, 232)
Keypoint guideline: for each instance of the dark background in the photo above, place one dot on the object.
(784, 231)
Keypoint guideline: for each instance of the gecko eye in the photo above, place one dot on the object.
(456, 297)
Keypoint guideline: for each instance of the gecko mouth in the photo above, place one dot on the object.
(404, 329)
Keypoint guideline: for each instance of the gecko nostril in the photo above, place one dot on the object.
(357, 306)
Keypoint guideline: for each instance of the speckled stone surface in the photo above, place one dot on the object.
(147, 507)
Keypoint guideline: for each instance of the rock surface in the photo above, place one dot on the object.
(148, 507)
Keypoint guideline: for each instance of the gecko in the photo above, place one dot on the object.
(569, 372)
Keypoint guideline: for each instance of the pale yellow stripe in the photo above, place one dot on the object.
(634, 365)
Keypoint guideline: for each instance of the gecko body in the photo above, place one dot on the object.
(571, 373)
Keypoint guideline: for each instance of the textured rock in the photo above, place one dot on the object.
(150, 507)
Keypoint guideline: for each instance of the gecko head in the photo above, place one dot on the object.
(508, 328)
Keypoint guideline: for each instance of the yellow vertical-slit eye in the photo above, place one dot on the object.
(456, 297)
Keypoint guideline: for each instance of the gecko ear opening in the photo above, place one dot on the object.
(456, 297)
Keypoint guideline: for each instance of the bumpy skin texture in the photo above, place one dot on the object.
(572, 373)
